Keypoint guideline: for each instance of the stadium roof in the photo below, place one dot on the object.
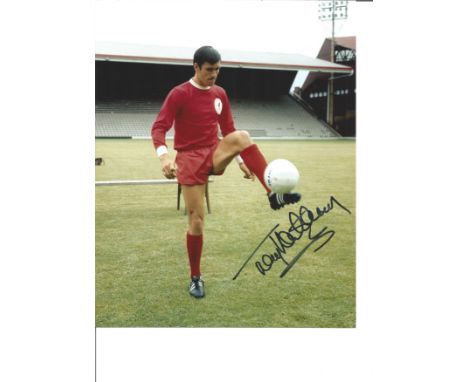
(346, 42)
(111, 51)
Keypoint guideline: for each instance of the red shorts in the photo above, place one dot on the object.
(194, 166)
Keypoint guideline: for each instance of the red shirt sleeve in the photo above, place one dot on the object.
(165, 117)
(226, 122)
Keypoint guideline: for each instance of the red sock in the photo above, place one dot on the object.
(255, 162)
(194, 250)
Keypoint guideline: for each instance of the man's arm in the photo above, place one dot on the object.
(226, 121)
(160, 127)
(227, 126)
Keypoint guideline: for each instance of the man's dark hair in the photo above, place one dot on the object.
(206, 54)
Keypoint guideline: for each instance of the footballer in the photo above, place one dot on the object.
(198, 109)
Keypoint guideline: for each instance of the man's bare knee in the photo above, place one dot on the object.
(196, 223)
(243, 139)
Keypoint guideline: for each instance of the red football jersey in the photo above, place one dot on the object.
(196, 114)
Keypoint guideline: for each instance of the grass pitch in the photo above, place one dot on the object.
(142, 271)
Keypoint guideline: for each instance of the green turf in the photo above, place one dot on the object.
(141, 261)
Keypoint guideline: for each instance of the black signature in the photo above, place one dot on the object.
(300, 224)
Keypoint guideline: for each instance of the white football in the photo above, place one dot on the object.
(281, 176)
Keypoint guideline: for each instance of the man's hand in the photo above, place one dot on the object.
(247, 173)
(169, 168)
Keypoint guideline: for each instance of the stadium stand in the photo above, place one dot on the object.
(275, 118)
(120, 119)
(133, 80)
(315, 87)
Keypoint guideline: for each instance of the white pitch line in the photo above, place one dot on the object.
(137, 182)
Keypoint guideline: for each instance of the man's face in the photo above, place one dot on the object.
(207, 74)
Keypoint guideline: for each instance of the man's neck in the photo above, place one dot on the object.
(195, 83)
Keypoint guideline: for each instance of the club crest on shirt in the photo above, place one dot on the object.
(218, 105)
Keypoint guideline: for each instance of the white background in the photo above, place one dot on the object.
(273, 26)
(411, 216)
